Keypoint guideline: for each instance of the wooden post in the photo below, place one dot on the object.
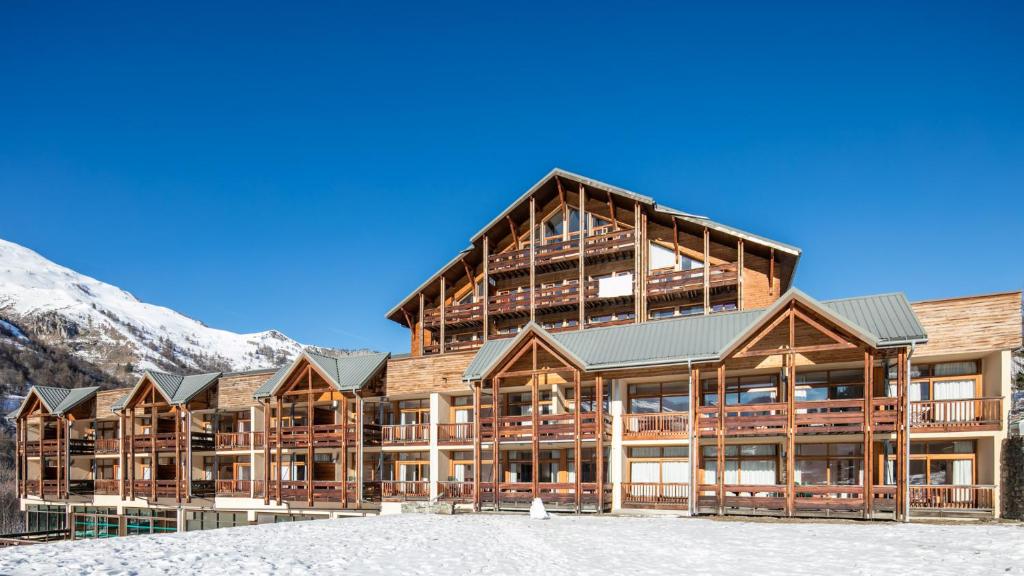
(280, 456)
(638, 257)
(901, 436)
(707, 272)
(582, 286)
(309, 437)
(694, 455)
(177, 454)
(486, 304)
(720, 453)
(131, 447)
(577, 441)
(771, 273)
(477, 446)
(187, 425)
(344, 451)
(42, 459)
(441, 343)
(599, 397)
(739, 274)
(496, 461)
(153, 427)
(423, 331)
(533, 258)
(534, 439)
(60, 463)
(868, 482)
(266, 451)
(791, 429)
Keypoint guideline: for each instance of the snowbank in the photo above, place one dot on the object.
(499, 544)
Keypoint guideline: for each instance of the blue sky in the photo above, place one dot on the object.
(305, 167)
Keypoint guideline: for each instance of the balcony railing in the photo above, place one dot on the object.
(107, 486)
(405, 489)
(169, 441)
(609, 245)
(969, 498)
(455, 491)
(404, 434)
(510, 303)
(959, 414)
(164, 488)
(829, 416)
(669, 283)
(468, 314)
(457, 433)
(108, 445)
(549, 426)
(233, 440)
(603, 244)
(653, 426)
(234, 488)
(656, 494)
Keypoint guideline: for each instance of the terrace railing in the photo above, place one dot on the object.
(658, 494)
(405, 434)
(653, 426)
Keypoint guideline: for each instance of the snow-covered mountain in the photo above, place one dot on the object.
(113, 330)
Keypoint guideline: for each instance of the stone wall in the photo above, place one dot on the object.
(1013, 478)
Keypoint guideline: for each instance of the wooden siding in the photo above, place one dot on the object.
(970, 324)
(235, 391)
(425, 374)
(106, 398)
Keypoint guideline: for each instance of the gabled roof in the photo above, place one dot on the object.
(344, 373)
(57, 401)
(884, 320)
(175, 388)
(608, 188)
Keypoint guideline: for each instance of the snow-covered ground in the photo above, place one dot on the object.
(499, 544)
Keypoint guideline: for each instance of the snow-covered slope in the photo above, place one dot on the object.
(109, 327)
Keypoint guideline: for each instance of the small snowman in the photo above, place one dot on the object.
(537, 510)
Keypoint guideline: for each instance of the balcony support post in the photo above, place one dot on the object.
(153, 427)
(344, 451)
(309, 438)
(496, 456)
(42, 468)
(695, 477)
(534, 428)
(599, 401)
(60, 481)
(131, 459)
(791, 423)
(477, 444)
(740, 249)
(280, 455)
(868, 482)
(177, 455)
(422, 336)
(720, 447)
(266, 452)
(577, 410)
(581, 287)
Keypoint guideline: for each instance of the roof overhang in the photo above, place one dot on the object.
(532, 330)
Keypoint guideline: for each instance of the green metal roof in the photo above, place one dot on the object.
(118, 404)
(344, 373)
(175, 388)
(58, 401)
(882, 320)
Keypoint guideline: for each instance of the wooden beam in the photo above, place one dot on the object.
(495, 443)
(581, 288)
(868, 482)
(280, 414)
(577, 441)
(599, 400)
(534, 424)
(533, 258)
(469, 276)
(422, 329)
(675, 240)
(739, 274)
(444, 296)
(513, 231)
(720, 450)
(486, 304)
(266, 452)
(707, 271)
(695, 450)
(477, 446)
(611, 211)
(771, 273)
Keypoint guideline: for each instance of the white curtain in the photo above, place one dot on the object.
(757, 472)
(461, 416)
(621, 285)
(460, 472)
(675, 472)
(890, 472)
(913, 391)
(954, 411)
(962, 476)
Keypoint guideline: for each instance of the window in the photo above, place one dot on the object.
(659, 397)
(611, 317)
(829, 385)
(942, 381)
(829, 464)
(754, 464)
(740, 391)
(661, 465)
(662, 258)
(938, 463)
(675, 311)
(557, 324)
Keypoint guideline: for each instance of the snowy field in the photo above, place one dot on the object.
(493, 544)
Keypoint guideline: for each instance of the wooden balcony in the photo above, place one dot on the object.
(107, 486)
(659, 495)
(609, 245)
(237, 488)
(462, 345)
(669, 284)
(398, 490)
(551, 427)
(744, 420)
(974, 498)
(405, 434)
(655, 426)
(454, 491)
(81, 487)
(50, 447)
(259, 439)
(164, 488)
(319, 435)
(956, 415)
(108, 445)
(169, 441)
(456, 433)
(322, 490)
(833, 498)
(456, 315)
(830, 417)
(555, 495)
(233, 440)
(511, 304)
(603, 245)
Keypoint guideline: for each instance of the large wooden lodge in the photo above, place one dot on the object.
(591, 348)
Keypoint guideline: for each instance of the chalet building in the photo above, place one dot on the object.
(591, 348)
